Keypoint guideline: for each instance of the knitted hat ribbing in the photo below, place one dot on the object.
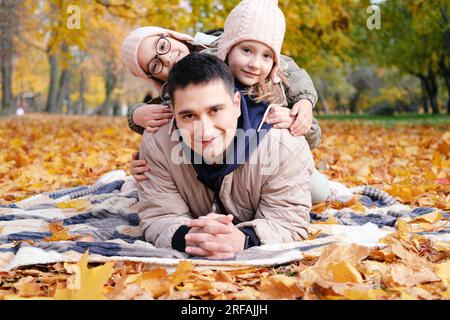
(259, 20)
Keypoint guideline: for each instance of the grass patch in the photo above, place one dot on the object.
(421, 119)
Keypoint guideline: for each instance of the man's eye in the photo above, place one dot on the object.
(188, 116)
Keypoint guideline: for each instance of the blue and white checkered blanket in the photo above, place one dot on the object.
(103, 218)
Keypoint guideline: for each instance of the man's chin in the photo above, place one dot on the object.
(211, 157)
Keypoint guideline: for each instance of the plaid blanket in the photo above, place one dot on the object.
(102, 218)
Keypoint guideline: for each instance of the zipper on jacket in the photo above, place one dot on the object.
(217, 205)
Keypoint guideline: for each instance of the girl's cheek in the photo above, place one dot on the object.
(164, 76)
(267, 69)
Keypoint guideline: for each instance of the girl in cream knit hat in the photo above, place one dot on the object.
(252, 25)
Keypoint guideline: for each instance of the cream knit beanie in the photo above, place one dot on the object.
(259, 20)
(130, 46)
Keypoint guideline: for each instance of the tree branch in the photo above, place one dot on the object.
(112, 8)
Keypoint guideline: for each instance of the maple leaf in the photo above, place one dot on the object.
(344, 272)
(405, 276)
(28, 287)
(430, 218)
(59, 233)
(334, 270)
(443, 271)
(280, 287)
(89, 284)
(182, 272)
(374, 294)
(155, 282)
(79, 204)
(158, 282)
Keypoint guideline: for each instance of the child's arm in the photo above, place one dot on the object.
(301, 98)
(138, 167)
(148, 116)
(299, 86)
(151, 117)
(133, 126)
(305, 124)
(303, 110)
(314, 135)
(279, 117)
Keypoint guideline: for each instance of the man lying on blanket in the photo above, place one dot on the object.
(221, 180)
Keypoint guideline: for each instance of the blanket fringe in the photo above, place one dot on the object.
(375, 193)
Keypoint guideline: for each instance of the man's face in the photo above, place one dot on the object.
(207, 116)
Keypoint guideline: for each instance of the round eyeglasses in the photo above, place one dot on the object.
(155, 65)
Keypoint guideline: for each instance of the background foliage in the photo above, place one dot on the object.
(48, 65)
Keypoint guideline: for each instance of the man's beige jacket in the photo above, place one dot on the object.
(270, 192)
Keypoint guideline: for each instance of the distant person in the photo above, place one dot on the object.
(20, 111)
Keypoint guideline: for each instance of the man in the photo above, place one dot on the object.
(229, 200)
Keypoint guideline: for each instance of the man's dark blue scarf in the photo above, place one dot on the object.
(211, 175)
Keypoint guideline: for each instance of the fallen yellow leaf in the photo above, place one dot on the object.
(280, 287)
(344, 272)
(89, 284)
(375, 294)
(59, 233)
(431, 217)
(79, 204)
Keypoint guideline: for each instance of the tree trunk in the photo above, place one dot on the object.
(445, 71)
(423, 83)
(9, 24)
(110, 84)
(429, 84)
(63, 90)
(323, 103)
(7, 98)
(339, 106)
(51, 106)
(433, 91)
(354, 101)
(117, 110)
(81, 106)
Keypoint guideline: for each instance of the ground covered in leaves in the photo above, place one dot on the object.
(41, 153)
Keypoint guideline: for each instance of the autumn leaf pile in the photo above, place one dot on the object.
(42, 153)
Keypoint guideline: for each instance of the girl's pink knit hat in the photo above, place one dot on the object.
(259, 20)
(130, 46)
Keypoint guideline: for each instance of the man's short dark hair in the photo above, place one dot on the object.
(199, 69)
